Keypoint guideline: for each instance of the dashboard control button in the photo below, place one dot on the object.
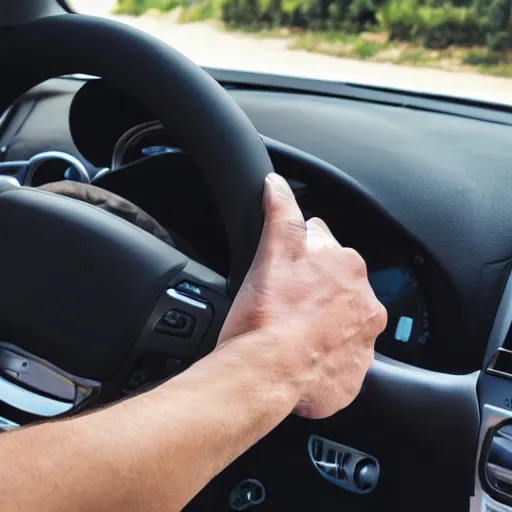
(365, 474)
(190, 289)
(176, 318)
(342, 460)
(344, 466)
(317, 449)
(176, 323)
(247, 494)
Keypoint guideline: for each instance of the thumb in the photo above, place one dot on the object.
(284, 227)
(279, 202)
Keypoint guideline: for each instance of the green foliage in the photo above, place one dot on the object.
(138, 7)
(499, 20)
(433, 24)
(413, 57)
(400, 19)
(367, 49)
(481, 58)
(500, 16)
(362, 13)
(500, 42)
(481, 6)
(504, 70)
(134, 7)
(436, 27)
(440, 27)
(200, 12)
(241, 13)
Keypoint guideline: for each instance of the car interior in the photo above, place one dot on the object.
(419, 184)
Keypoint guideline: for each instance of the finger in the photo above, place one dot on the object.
(279, 202)
(318, 233)
(284, 227)
(315, 223)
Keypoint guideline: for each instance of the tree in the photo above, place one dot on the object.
(499, 18)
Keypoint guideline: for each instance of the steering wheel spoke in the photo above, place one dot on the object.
(187, 317)
(92, 294)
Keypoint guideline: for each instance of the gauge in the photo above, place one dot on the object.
(407, 331)
(51, 166)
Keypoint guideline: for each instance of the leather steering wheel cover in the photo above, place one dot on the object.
(192, 106)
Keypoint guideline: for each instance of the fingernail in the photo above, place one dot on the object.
(279, 184)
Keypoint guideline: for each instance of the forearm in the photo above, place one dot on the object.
(155, 451)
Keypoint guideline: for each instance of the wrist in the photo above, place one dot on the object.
(262, 355)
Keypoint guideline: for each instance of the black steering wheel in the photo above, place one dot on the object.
(85, 294)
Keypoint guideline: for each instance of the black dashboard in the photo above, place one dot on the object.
(418, 185)
(421, 194)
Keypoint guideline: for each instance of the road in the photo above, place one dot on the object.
(207, 46)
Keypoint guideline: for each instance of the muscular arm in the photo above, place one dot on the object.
(299, 337)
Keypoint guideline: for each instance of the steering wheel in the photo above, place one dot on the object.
(85, 294)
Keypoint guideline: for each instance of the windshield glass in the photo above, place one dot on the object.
(454, 47)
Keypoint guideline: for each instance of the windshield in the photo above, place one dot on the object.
(458, 48)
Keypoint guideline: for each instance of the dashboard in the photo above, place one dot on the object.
(414, 204)
(419, 186)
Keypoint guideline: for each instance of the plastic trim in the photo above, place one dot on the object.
(501, 324)
(481, 500)
(32, 403)
(37, 160)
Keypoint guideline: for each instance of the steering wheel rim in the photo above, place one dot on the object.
(147, 297)
(199, 113)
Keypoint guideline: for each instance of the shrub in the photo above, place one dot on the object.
(317, 12)
(400, 19)
(436, 23)
(500, 42)
(271, 13)
(138, 7)
(499, 21)
(500, 16)
(294, 13)
(436, 27)
(482, 7)
(362, 14)
(134, 7)
(200, 12)
(337, 14)
(481, 58)
(367, 49)
(440, 27)
(240, 13)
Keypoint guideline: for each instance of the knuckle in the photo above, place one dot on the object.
(378, 318)
(382, 317)
(356, 261)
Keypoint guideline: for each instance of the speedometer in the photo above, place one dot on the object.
(407, 331)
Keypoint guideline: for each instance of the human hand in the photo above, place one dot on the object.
(310, 300)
